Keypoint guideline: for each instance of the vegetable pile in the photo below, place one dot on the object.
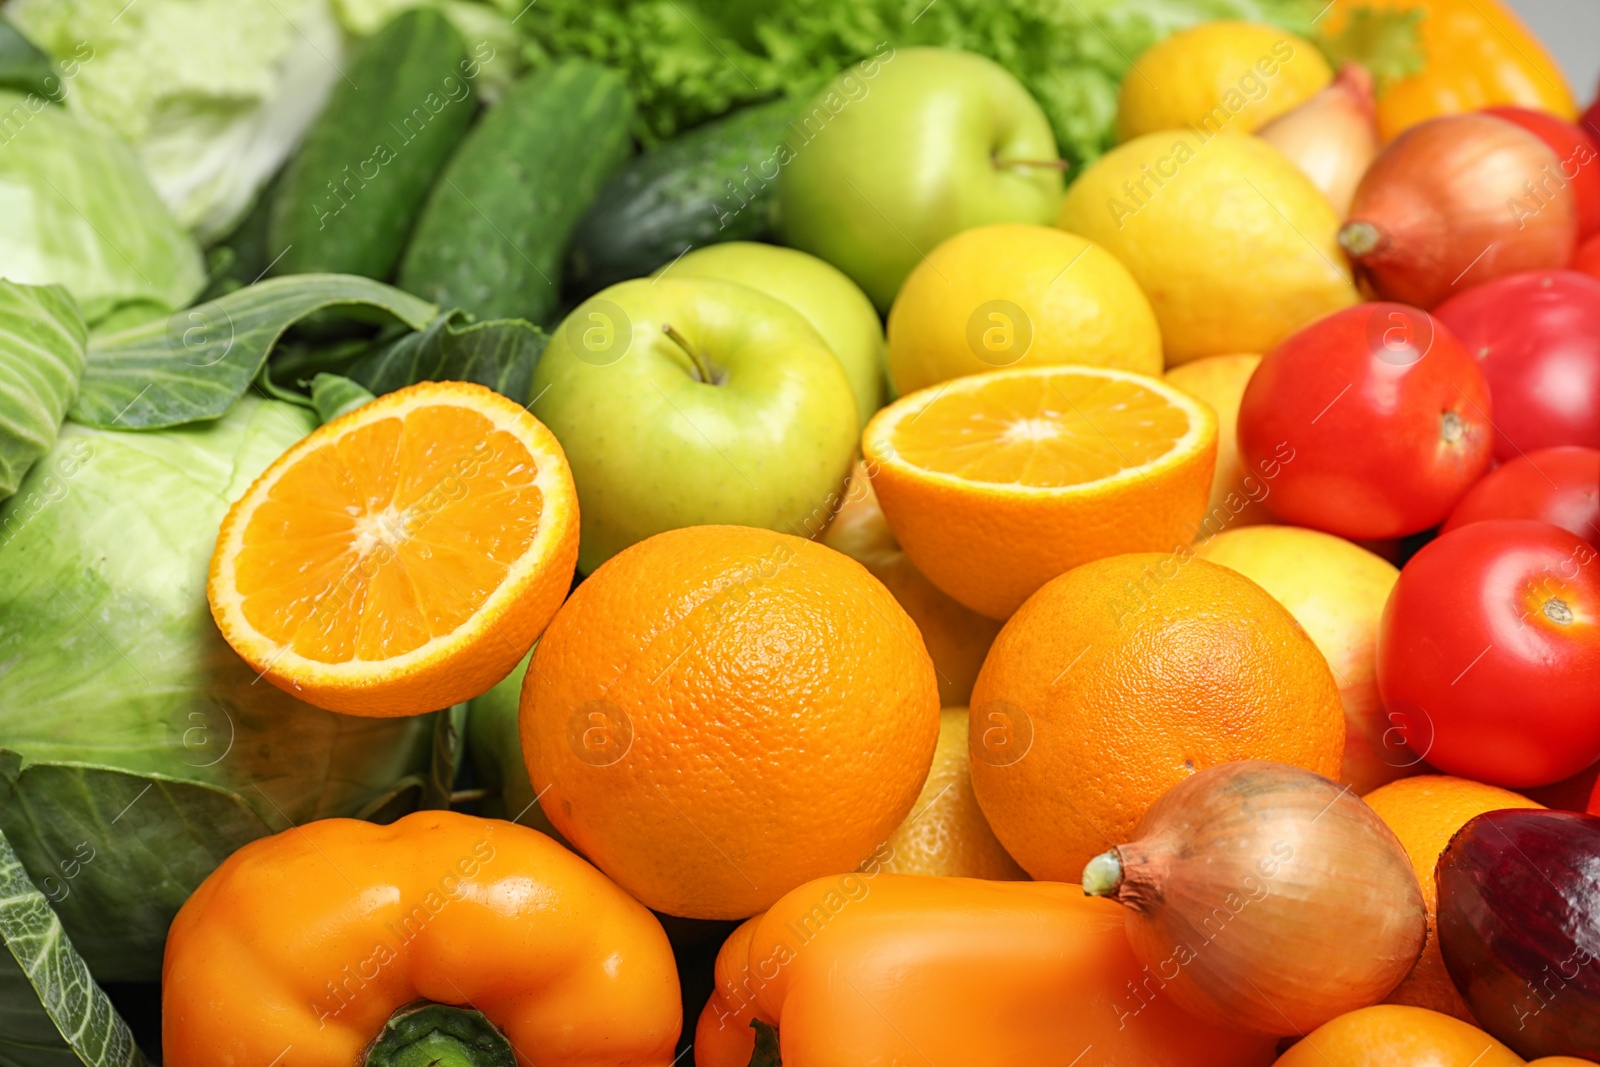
(811, 533)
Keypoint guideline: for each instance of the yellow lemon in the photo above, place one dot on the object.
(1236, 493)
(946, 834)
(1232, 243)
(1018, 295)
(1219, 75)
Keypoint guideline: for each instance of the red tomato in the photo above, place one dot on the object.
(1383, 416)
(1594, 799)
(1555, 485)
(1537, 337)
(1490, 645)
(1587, 259)
(1569, 794)
(1574, 148)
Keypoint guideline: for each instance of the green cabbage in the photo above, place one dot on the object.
(76, 211)
(213, 95)
(145, 742)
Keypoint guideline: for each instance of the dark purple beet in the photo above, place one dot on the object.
(1519, 927)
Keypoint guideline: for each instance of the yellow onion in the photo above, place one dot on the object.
(1265, 898)
(1333, 136)
(1455, 202)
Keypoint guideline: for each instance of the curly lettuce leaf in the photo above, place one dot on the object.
(688, 62)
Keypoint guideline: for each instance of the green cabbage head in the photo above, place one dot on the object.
(136, 749)
(213, 95)
(77, 211)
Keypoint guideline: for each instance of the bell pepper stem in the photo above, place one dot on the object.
(767, 1053)
(439, 1035)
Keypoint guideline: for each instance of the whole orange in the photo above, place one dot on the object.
(1425, 812)
(1389, 1035)
(1120, 678)
(719, 714)
(957, 637)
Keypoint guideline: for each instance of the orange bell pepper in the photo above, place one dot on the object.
(440, 939)
(875, 970)
(1474, 54)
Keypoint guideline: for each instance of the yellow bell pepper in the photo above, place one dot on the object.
(441, 939)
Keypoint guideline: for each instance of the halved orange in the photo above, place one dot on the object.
(996, 483)
(403, 557)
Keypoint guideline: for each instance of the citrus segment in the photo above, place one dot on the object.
(996, 483)
(403, 557)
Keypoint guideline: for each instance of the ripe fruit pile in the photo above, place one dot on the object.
(1148, 615)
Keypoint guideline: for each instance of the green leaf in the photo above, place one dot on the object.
(86, 834)
(23, 67)
(41, 359)
(195, 364)
(449, 744)
(767, 1053)
(1387, 42)
(334, 395)
(83, 1017)
(500, 354)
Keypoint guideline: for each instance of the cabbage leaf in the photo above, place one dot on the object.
(41, 359)
(195, 364)
(76, 211)
(213, 95)
(87, 1029)
(123, 699)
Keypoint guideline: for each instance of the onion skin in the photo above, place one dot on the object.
(1455, 202)
(1265, 898)
(1332, 137)
(1519, 928)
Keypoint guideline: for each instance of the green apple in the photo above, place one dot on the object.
(831, 302)
(686, 402)
(905, 149)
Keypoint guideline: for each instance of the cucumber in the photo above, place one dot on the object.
(493, 235)
(714, 183)
(347, 203)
